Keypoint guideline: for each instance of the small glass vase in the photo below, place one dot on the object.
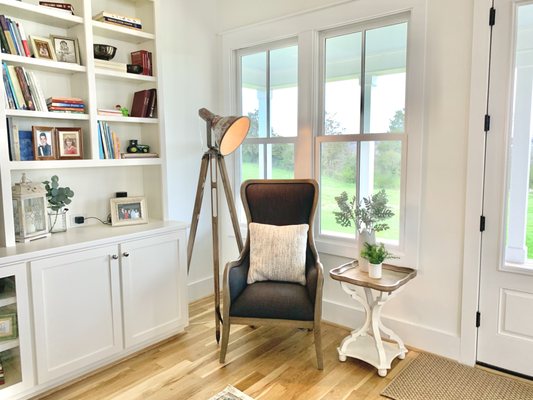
(364, 237)
(57, 220)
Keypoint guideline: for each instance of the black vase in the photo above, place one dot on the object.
(132, 148)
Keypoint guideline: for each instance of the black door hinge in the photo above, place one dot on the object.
(492, 16)
(478, 319)
(486, 123)
(482, 223)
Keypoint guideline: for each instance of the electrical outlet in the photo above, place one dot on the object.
(73, 219)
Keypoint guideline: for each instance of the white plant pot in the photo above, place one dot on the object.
(374, 270)
(364, 237)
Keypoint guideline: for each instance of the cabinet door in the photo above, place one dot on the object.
(15, 331)
(76, 304)
(154, 287)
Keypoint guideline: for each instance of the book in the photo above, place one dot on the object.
(64, 100)
(24, 39)
(21, 144)
(8, 91)
(3, 42)
(120, 22)
(69, 105)
(7, 34)
(110, 65)
(143, 58)
(106, 14)
(109, 111)
(37, 93)
(21, 104)
(152, 104)
(139, 155)
(21, 76)
(140, 102)
(58, 6)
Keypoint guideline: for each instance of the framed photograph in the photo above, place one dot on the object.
(43, 143)
(42, 48)
(69, 143)
(8, 325)
(66, 49)
(128, 211)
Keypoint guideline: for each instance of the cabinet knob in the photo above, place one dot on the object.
(114, 257)
(126, 254)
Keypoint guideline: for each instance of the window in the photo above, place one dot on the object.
(362, 136)
(268, 89)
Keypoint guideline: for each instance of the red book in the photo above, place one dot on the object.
(142, 57)
(152, 104)
(139, 106)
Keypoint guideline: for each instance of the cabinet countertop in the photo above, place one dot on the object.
(83, 237)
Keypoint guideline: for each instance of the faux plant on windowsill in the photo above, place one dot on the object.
(58, 198)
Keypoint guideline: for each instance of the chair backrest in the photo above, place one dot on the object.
(280, 202)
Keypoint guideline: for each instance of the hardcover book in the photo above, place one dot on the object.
(139, 106)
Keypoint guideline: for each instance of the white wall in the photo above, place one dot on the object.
(189, 73)
(427, 313)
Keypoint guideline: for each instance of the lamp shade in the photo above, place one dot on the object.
(229, 132)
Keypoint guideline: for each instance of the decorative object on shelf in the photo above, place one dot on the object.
(132, 148)
(29, 210)
(228, 134)
(69, 143)
(367, 216)
(58, 198)
(104, 51)
(143, 148)
(375, 254)
(66, 49)
(134, 68)
(8, 323)
(42, 48)
(128, 211)
(123, 110)
(44, 142)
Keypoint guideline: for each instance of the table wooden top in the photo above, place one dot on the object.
(392, 277)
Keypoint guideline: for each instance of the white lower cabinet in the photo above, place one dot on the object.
(76, 306)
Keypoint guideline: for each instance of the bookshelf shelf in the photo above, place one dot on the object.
(46, 114)
(39, 14)
(8, 345)
(128, 120)
(121, 33)
(6, 299)
(71, 164)
(42, 65)
(104, 73)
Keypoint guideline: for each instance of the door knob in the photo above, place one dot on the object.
(126, 254)
(114, 257)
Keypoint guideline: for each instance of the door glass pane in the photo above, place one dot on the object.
(519, 241)
(252, 165)
(385, 67)
(9, 351)
(282, 156)
(342, 89)
(254, 92)
(284, 92)
(338, 163)
(381, 169)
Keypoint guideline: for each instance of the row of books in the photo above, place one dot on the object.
(22, 89)
(143, 58)
(144, 104)
(111, 18)
(66, 104)
(108, 142)
(13, 39)
(58, 6)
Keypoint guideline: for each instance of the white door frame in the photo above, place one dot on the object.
(474, 182)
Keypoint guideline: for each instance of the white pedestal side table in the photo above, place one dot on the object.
(366, 343)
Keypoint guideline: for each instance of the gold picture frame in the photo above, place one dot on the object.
(128, 211)
(42, 48)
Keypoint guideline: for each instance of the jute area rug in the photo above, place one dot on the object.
(436, 378)
(231, 393)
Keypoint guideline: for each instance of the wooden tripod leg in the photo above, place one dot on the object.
(197, 207)
(214, 228)
(230, 201)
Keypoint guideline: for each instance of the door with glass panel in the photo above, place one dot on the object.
(505, 336)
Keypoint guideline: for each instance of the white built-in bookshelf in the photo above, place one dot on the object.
(94, 180)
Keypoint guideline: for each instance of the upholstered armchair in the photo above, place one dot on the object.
(282, 203)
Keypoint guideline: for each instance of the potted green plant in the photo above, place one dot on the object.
(375, 254)
(58, 197)
(368, 216)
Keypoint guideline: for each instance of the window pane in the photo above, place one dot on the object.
(282, 156)
(381, 169)
(385, 67)
(252, 162)
(284, 91)
(338, 162)
(342, 89)
(254, 92)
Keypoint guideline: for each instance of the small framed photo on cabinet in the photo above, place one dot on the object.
(66, 49)
(128, 211)
(8, 324)
(43, 143)
(42, 48)
(69, 143)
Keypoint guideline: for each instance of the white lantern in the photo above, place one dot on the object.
(29, 210)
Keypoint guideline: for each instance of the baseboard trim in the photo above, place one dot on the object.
(200, 289)
(414, 335)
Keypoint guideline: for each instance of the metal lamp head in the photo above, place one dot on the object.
(229, 132)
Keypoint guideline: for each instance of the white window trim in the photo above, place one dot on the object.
(306, 27)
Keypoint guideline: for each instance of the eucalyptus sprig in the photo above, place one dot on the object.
(58, 197)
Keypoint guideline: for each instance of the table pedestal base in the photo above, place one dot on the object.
(366, 343)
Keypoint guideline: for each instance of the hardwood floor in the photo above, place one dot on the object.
(266, 363)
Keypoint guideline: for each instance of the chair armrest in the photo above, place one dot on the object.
(314, 279)
(235, 276)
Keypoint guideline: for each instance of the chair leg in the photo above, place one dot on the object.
(225, 339)
(318, 347)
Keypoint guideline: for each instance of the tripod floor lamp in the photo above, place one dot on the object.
(228, 134)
